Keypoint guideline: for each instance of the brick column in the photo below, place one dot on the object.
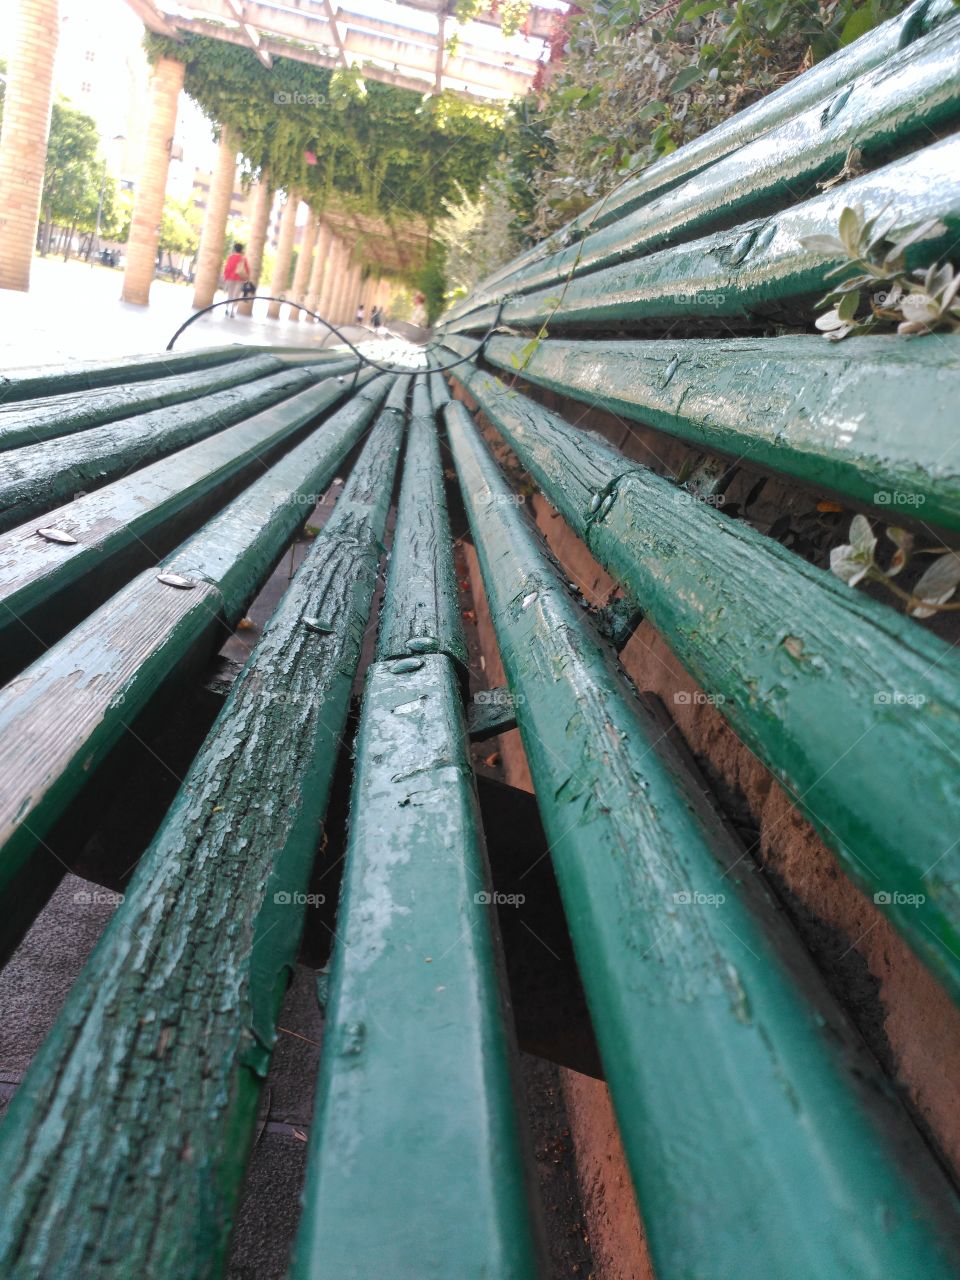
(331, 278)
(344, 295)
(262, 205)
(320, 255)
(23, 141)
(279, 285)
(304, 265)
(213, 236)
(334, 282)
(352, 295)
(152, 184)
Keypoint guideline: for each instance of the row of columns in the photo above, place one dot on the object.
(326, 279)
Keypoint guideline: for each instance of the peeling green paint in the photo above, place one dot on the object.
(424, 614)
(760, 1140)
(59, 717)
(108, 520)
(171, 1025)
(707, 279)
(864, 730)
(416, 1111)
(831, 415)
(84, 375)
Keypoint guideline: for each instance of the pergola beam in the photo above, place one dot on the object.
(388, 51)
(335, 29)
(438, 82)
(232, 35)
(250, 31)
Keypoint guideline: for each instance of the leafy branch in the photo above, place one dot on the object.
(883, 295)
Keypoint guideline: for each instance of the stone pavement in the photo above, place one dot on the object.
(73, 312)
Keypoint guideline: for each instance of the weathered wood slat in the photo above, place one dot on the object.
(59, 718)
(424, 612)
(104, 523)
(415, 1105)
(174, 1018)
(25, 423)
(41, 476)
(905, 101)
(798, 95)
(83, 375)
(830, 415)
(730, 1067)
(758, 269)
(415, 1110)
(855, 708)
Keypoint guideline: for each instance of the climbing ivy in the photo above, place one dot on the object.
(375, 148)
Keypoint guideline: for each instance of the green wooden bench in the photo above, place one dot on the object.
(145, 503)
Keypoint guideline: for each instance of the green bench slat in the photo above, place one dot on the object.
(41, 476)
(855, 708)
(438, 389)
(53, 379)
(60, 415)
(424, 612)
(756, 1147)
(758, 268)
(59, 717)
(797, 96)
(173, 1020)
(905, 100)
(415, 1110)
(828, 414)
(108, 521)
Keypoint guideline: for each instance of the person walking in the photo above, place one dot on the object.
(236, 273)
(360, 314)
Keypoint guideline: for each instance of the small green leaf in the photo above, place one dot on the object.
(849, 303)
(932, 227)
(687, 77)
(859, 23)
(829, 245)
(850, 225)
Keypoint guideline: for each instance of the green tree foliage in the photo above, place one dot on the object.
(477, 235)
(431, 280)
(637, 78)
(512, 13)
(71, 182)
(180, 228)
